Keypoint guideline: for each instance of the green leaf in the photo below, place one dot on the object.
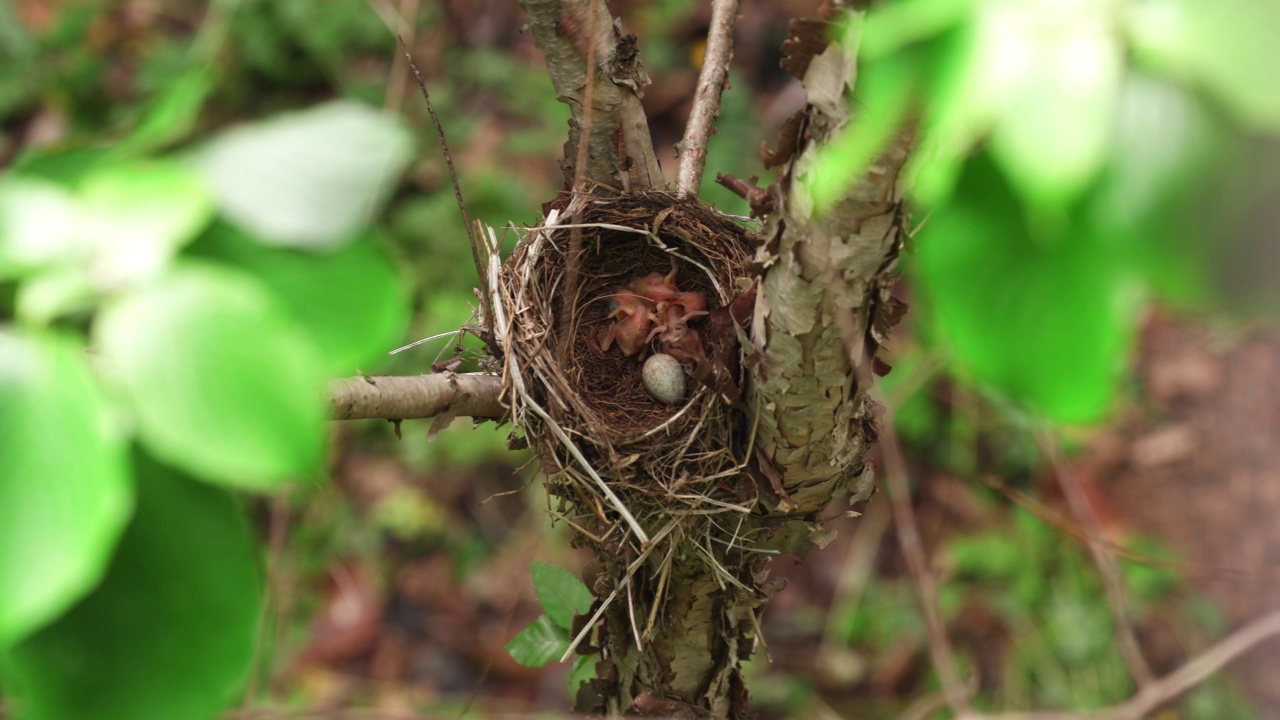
(55, 292)
(539, 644)
(1052, 131)
(1041, 82)
(37, 224)
(65, 493)
(561, 593)
(224, 386)
(968, 82)
(584, 670)
(136, 216)
(170, 631)
(123, 227)
(173, 115)
(1046, 318)
(1158, 196)
(308, 179)
(1227, 46)
(64, 165)
(1163, 141)
(350, 301)
(891, 26)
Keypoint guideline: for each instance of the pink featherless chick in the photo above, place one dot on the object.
(656, 287)
(631, 320)
(677, 339)
(662, 290)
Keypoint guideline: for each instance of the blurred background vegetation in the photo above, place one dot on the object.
(207, 209)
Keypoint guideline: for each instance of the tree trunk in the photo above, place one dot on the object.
(822, 311)
(619, 152)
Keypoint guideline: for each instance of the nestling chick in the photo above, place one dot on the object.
(656, 287)
(678, 340)
(631, 322)
(655, 298)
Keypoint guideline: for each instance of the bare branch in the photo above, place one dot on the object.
(580, 167)
(457, 189)
(1126, 638)
(476, 395)
(706, 98)
(904, 521)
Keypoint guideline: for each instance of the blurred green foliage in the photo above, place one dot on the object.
(1037, 606)
(1071, 165)
(211, 361)
(169, 632)
(178, 304)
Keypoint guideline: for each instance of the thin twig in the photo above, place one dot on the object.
(397, 22)
(579, 174)
(706, 98)
(1161, 692)
(277, 533)
(453, 177)
(588, 101)
(904, 520)
(1061, 522)
(1112, 580)
(859, 563)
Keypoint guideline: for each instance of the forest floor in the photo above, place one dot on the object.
(1192, 462)
(1196, 463)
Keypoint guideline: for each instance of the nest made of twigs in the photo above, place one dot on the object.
(614, 453)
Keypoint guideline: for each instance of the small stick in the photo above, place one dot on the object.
(1112, 580)
(904, 520)
(706, 98)
(1168, 688)
(908, 532)
(575, 233)
(1070, 527)
(457, 189)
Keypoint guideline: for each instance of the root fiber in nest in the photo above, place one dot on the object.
(614, 455)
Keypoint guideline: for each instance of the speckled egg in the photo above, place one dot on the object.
(664, 378)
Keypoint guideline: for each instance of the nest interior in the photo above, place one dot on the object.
(608, 448)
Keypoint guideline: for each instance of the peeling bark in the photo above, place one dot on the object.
(823, 309)
(619, 151)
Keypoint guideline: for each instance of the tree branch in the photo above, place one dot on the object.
(823, 304)
(476, 395)
(620, 149)
(706, 98)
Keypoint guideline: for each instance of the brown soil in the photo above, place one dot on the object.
(1197, 465)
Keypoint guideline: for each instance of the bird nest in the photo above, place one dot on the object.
(626, 467)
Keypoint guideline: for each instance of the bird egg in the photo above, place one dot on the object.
(664, 378)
